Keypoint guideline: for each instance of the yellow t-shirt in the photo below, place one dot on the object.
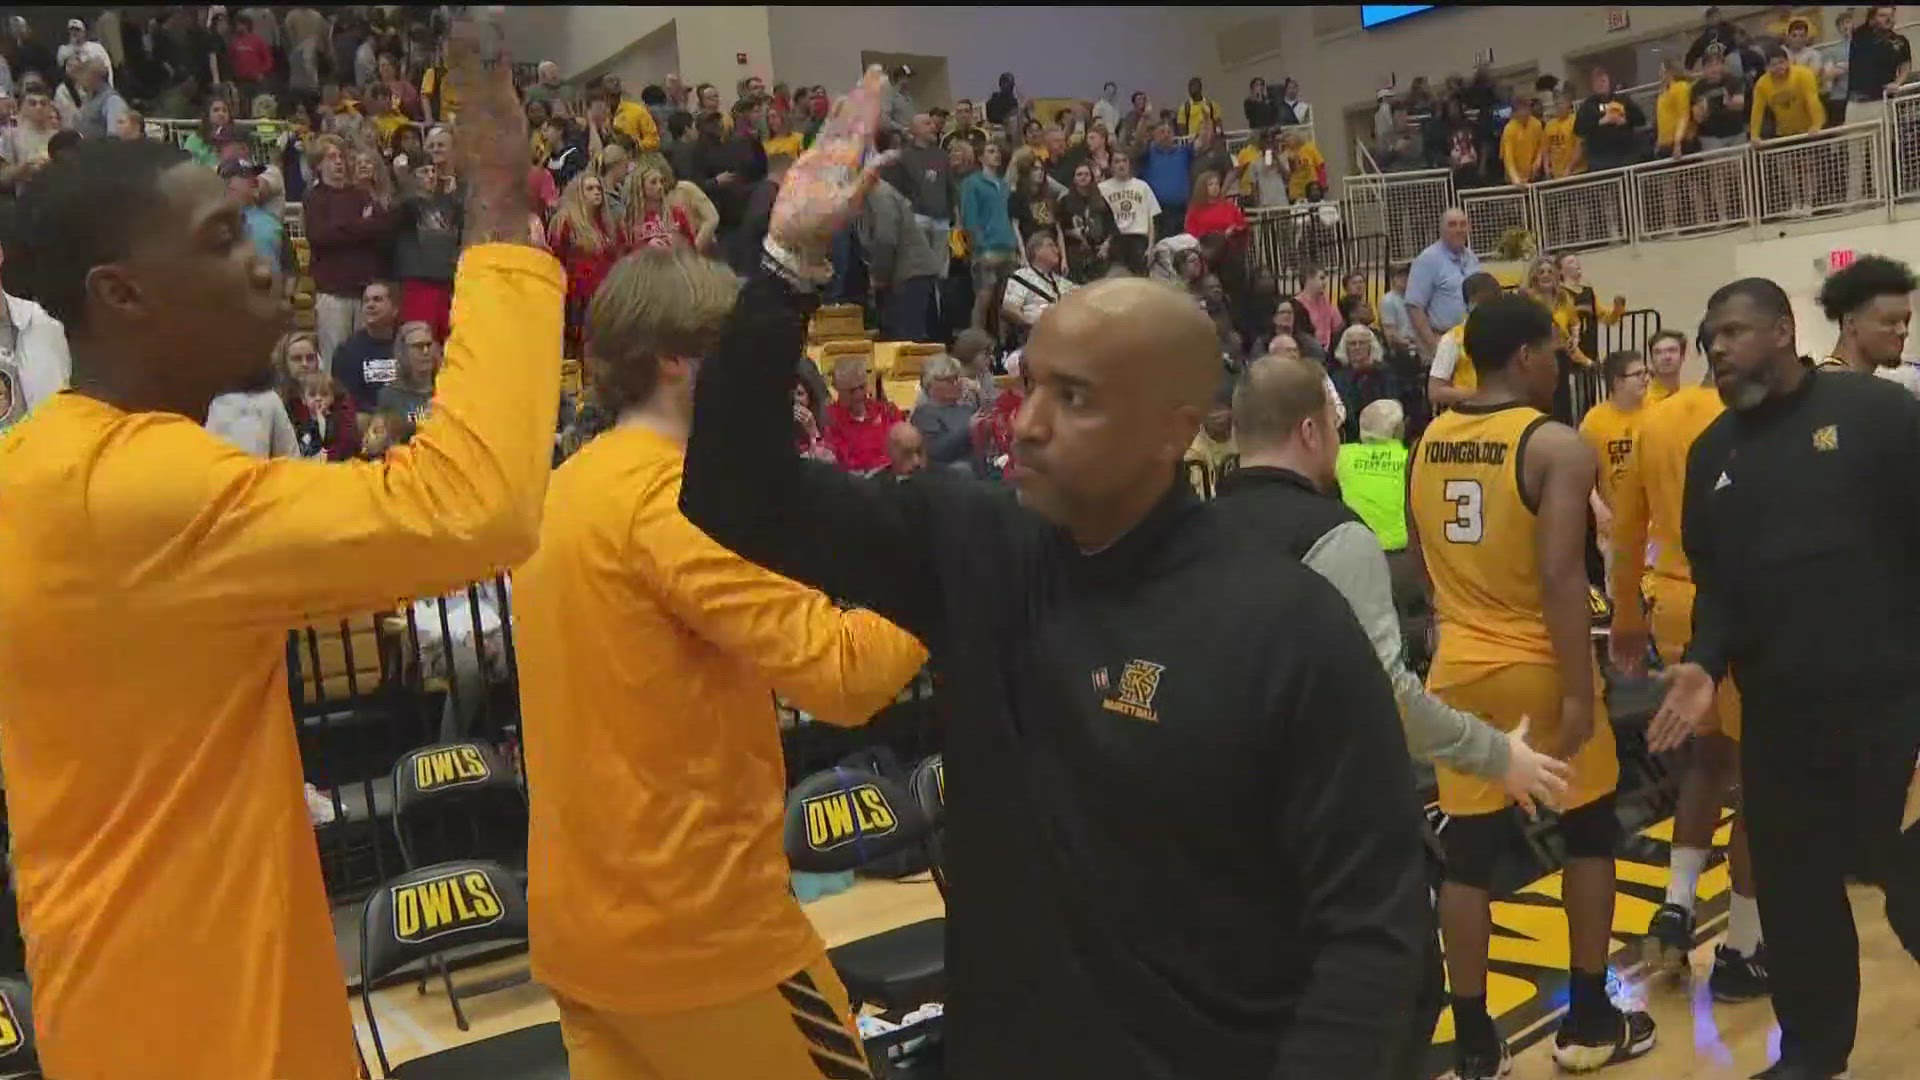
(1672, 111)
(1657, 392)
(1565, 153)
(1308, 163)
(1652, 492)
(635, 121)
(449, 101)
(1794, 102)
(789, 144)
(1609, 430)
(387, 124)
(1477, 536)
(651, 654)
(1520, 147)
(1244, 160)
(152, 774)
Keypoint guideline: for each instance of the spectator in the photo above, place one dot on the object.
(1214, 448)
(1305, 166)
(1452, 378)
(1462, 144)
(68, 95)
(546, 87)
(381, 432)
(1395, 324)
(906, 451)
(77, 45)
(132, 126)
(567, 155)
(1088, 224)
(1135, 210)
(1608, 124)
(34, 364)
(651, 218)
(726, 167)
(943, 419)
(857, 422)
(783, 141)
(1435, 302)
(1031, 201)
(1210, 154)
(1209, 211)
(964, 127)
(1292, 322)
(1673, 133)
(249, 57)
(585, 242)
(319, 408)
(1197, 107)
(255, 421)
(1834, 75)
(1719, 99)
(410, 394)
(29, 55)
(99, 114)
(902, 262)
(1586, 304)
(216, 126)
(1355, 310)
(632, 120)
(1523, 143)
(1139, 120)
(305, 34)
(806, 425)
(1718, 31)
(1878, 59)
(1566, 154)
(406, 96)
(1789, 94)
(1036, 286)
(1260, 110)
(1373, 481)
(1106, 111)
(427, 250)
(383, 112)
(706, 99)
(1004, 103)
(1361, 377)
(25, 142)
(348, 234)
(984, 214)
(368, 359)
(1319, 304)
(265, 229)
(1166, 167)
(1293, 111)
(925, 175)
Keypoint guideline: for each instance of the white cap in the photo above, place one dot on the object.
(76, 24)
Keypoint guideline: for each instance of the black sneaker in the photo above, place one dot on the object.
(1481, 1064)
(1669, 938)
(1790, 1070)
(1738, 978)
(1628, 1035)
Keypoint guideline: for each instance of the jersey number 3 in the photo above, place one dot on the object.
(1467, 524)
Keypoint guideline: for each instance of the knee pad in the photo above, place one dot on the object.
(1591, 831)
(1472, 843)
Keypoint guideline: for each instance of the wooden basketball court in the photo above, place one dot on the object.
(1699, 1040)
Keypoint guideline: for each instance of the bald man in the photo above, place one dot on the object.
(1182, 836)
(1436, 300)
(906, 450)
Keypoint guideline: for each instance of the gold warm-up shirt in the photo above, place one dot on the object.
(1609, 430)
(170, 891)
(1649, 497)
(649, 656)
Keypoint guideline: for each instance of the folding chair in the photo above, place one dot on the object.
(841, 819)
(18, 1058)
(432, 910)
(459, 801)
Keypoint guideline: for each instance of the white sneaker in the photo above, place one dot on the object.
(319, 807)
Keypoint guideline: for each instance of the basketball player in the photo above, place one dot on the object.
(1871, 301)
(1800, 520)
(1451, 378)
(662, 917)
(1497, 499)
(1666, 355)
(1647, 503)
(1608, 429)
(169, 887)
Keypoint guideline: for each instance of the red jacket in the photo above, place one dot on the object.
(251, 56)
(1219, 215)
(861, 445)
(349, 237)
(585, 269)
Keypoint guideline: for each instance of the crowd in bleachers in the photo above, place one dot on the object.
(1786, 72)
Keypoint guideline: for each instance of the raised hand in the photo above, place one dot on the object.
(824, 188)
(490, 140)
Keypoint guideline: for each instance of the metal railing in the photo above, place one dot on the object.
(1844, 169)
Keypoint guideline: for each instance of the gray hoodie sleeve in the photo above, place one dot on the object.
(1350, 557)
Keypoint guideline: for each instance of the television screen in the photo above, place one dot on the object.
(1372, 15)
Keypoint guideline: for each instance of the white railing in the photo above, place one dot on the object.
(1495, 212)
(1849, 168)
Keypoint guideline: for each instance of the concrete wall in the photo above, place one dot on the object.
(706, 42)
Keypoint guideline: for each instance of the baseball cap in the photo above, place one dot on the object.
(76, 24)
(239, 167)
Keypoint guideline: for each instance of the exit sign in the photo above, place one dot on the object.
(1616, 19)
(1839, 259)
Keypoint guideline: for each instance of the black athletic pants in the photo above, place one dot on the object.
(1825, 783)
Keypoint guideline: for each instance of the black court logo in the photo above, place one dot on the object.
(456, 766)
(10, 1029)
(439, 906)
(840, 817)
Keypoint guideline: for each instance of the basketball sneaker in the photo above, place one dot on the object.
(1624, 1036)
(1738, 978)
(1481, 1064)
(1789, 1070)
(1669, 939)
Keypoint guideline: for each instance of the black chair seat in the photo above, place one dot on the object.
(901, 969)
(534, 1053)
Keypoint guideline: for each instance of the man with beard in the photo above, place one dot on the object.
(1800, 521)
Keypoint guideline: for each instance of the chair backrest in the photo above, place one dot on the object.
(17, 1053)
(840, 819)
(449, 771)
(458, 800)
(435, 909)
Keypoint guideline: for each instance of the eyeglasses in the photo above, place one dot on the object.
(1637, 373)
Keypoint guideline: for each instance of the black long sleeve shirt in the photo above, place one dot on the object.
(1801, 520)
(1182, 839)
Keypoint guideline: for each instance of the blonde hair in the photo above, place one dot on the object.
(382, 172)
(655, 303)
(318, 146)
(1382, 421)
(585, 227)
(636, 185)
(283, 348)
